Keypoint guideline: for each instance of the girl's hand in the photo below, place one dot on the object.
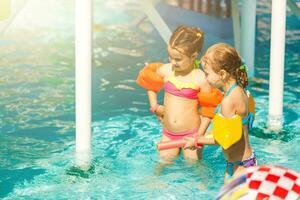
(160, 111)
(190, 143)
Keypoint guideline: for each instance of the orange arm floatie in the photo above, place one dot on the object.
(209, 101)
(251, 105)
(149, 79)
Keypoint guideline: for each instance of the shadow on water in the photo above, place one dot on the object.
(81, 173)
(98, 166)
(263, 132)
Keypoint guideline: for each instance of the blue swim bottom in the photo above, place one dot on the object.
(251, 161)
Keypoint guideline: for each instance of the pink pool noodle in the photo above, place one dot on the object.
(170, 144)
(173, 144)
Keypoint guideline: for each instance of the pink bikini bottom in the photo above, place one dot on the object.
(179, 136)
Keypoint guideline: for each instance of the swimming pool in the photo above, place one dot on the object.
(37, 111)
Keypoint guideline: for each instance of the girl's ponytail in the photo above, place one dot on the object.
(241, 76)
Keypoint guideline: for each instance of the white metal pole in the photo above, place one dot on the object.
(236, 24)
(248, 26)
(156, 20)
(83, 60)
(277, 64)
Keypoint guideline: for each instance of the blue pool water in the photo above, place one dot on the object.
(37, 123)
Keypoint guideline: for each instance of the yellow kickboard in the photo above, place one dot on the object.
(227, 131)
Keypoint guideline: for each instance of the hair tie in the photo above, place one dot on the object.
(243, 67)
(197, 63)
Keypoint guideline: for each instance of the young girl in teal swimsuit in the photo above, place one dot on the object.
(223, 68)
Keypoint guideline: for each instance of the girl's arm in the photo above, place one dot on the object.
(202, 140)
(206, 140)
(205, 121)
(152, 96)
(157, 109)
(227, 107)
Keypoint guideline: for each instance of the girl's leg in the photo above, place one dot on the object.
(237, 171)
(167, 157)
(193, 155)
(170, 154)
(230, 169)
(226, 176)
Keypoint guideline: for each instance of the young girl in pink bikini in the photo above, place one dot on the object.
(185, 89)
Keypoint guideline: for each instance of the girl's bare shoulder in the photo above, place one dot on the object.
(200, 77)
(165, 69)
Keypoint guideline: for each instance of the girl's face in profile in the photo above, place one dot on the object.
(180, 62)
(212, 77)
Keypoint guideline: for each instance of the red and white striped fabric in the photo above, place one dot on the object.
(272, 183)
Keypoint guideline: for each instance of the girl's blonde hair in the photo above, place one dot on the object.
(223, 56)
(187, 40)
